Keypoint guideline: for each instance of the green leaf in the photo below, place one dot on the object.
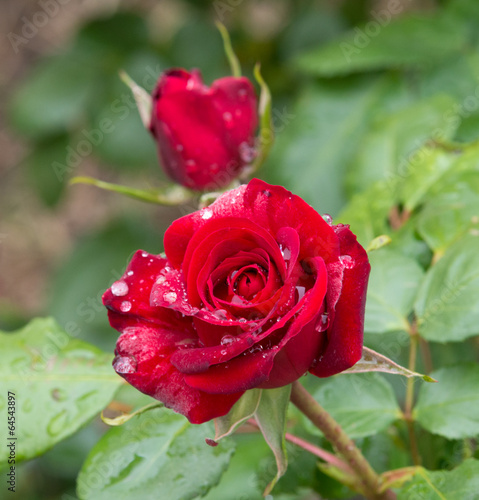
(451, 407)
(394, 138)
(242, 410)
(54, 96)
(362, 404)
(433, 169)
(59, 383)
(461, 483)
(393, 284)
(266, 130)
(447, 306)
(142, 98)
(367, 212)
(319, 134)
(449, 215)
(382, 44)
(229, 51)
(271, 418)
(378, 242)
(155, 453)
(44, 175)
(372, 361)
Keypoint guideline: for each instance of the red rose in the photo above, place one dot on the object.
(205, 134)
(254, 291)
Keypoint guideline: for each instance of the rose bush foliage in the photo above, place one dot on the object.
(205, 135)
(254, 291)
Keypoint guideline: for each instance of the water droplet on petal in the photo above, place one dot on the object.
(285, 252)
(119, 288)
(170, 297)
(228, 339)
(347, 261)
(247, 153)
(125, 306)
(327, 218)
(129, 273)
(161, 280)
(301, 291)
(242, 93)
(228, 118)
(144, 254)
(221, 314)
(125, 364)
(190, 84)
(322, 323)
(207, 214)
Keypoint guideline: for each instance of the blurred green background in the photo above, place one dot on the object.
(357, 86)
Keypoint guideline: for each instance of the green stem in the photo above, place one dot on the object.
(368, 479)
(414, 339)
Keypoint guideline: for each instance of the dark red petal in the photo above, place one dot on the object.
(345, 334)
(143, 360)
(201, 131)
(271, 208)
(133, 289)
(239, 374)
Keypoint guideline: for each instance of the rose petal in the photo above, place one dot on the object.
(345, 334)
(143, 360)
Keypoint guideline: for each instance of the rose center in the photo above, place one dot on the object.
(248, 283)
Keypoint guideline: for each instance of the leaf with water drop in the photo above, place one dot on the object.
(59, 382)
(157, 454)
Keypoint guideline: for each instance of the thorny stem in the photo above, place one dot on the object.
(414, 339)
(368, 479)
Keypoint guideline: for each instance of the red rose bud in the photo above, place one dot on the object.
(205, 134)
(255, 290)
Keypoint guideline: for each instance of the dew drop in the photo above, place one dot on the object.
(161, 280)
(57, 423)
(221, 314)
(228, 339)
(119, 288)
(285, 252)
(207, 214)
(125, 364)
(170, 297)
(125, 306)
(223, 352)
(247, 153)
(347, 261)
(301, 291)
(144, 254)
(327, 218)
(59, 394)
(227, 116)
(129, 273)
(190, 84)
(242, 93)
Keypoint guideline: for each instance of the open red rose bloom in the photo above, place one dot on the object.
(254, 291)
